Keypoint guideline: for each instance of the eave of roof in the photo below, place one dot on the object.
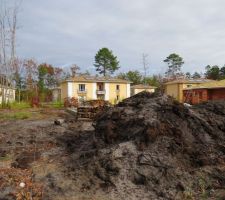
(188, 81)
(95, 79)
(208, 88)
(209, 85)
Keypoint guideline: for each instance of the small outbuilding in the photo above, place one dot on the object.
(175, 88)
(139, 88)
(205, 92)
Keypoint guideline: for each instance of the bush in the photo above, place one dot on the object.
(70, 102)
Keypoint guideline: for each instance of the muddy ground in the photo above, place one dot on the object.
(30, 152)
(147, 147)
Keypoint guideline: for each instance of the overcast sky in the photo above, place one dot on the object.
(72, 31)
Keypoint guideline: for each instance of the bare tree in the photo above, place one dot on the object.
(74, 68)
(8, 28)
(31, 73)
(145, 65)
(3, 39)
(58, 73)
(19, 72)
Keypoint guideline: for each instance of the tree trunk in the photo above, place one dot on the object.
(104, 72)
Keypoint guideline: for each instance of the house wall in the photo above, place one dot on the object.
(64, 91)
(89, 91)
(216, 94)
(135, 91)
(94, 88)
(172, 90)
(196, 96)
(107, 91)
(184, 86)
(199, 96)
(122, 93)
(176, 90)
(128, 90)
(71, 89)
(187, 96)
(202, 95)
(10, 95)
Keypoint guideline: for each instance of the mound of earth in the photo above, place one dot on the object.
(151, 147)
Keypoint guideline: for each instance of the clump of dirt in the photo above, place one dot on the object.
(151, 147)
(25, 158)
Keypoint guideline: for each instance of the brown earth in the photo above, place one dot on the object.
(147, 147)
(180, 151)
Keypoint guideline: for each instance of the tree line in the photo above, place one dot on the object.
(106, 63)
(174, 70)
(33, 79)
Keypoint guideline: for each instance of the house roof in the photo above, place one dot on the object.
(93, 79)
(140, 86)
(209, 85)
(196, 81)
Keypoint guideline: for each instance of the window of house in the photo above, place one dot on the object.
(117, 98)
(81, 87)
(117, 87)
(100, 87)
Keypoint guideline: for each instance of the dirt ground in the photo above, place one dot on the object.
(30, 153)
(147, 147)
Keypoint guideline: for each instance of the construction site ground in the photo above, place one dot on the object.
(147, 147)
(30, 153)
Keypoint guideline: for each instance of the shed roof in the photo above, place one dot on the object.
(196, 81)
(209, 85)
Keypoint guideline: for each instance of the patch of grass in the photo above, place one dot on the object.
(188, 194)
(5, 158)
(56, 105)
(15, 115)
(20, 105)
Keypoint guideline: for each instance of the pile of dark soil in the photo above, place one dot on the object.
(152, 147)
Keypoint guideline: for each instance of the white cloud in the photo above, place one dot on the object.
(70, 31)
